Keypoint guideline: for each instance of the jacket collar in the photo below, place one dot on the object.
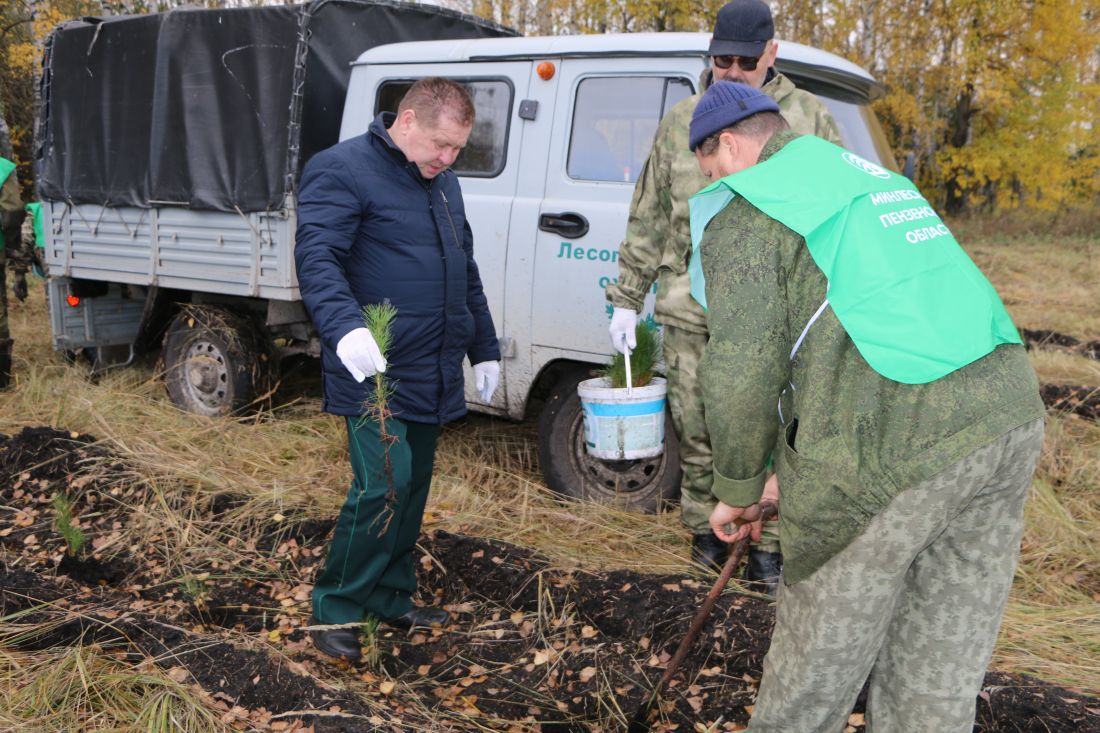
(379, 128)
(776, 143)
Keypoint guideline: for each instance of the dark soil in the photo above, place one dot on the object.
(1045, 339)
(1076, 400)
(529, 646)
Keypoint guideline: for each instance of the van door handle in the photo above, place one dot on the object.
(569, 224)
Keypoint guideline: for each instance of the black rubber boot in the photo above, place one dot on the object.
(427, 617)
(764, 568)
(342, 643)
(5, 363)
(709, 551)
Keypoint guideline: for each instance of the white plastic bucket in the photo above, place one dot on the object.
(620, 426)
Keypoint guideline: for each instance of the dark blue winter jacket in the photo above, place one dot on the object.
(371, 228)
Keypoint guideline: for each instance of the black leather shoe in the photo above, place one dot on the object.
(764, 569)
(427, 616)
(342, 643)
(709, 551)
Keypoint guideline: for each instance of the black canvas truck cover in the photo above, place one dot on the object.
(214, 109)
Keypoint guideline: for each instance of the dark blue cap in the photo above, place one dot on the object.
(725, 104)
(743, 28)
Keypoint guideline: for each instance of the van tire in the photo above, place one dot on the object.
(215, 362)
(644, 485)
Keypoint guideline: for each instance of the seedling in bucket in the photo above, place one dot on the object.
(624, 410)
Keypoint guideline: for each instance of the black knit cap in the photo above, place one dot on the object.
(725, 104)
(743, 28)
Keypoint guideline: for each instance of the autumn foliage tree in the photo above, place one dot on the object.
(997, 99)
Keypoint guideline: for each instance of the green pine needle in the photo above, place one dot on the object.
(378, 318)
(643, 359)
(63, 523)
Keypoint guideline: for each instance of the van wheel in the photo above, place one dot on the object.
(646, 485)
(215, 362)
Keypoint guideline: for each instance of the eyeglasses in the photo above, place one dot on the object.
(747, 63)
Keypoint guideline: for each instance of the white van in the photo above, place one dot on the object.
(192, 255)
(564, 125)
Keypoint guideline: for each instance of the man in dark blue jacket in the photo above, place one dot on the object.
(381, 220)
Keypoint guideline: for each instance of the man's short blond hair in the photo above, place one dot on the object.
(434, 96)
(759, 126)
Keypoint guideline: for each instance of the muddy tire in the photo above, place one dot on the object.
(645, 485)
(215, 362)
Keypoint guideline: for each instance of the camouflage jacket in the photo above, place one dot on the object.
(849, 439)
(658, 235)
(11, 220)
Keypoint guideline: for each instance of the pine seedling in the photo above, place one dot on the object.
(63, 523)
(369, 636)
(643, 359)
(193, 588)
(378, 318)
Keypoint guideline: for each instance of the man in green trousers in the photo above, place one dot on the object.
(852, 339)
(381, 222)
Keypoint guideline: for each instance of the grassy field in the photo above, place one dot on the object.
(487, 480)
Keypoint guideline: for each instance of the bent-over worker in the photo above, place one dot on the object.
(853, 339)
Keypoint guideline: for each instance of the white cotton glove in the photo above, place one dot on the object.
(360, 354)
(623, 323)
(486, 379)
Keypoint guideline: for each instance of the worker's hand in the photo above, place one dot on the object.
(733, 523)
(19, 284)
(360, 354)
(486, 379)
(623, 323)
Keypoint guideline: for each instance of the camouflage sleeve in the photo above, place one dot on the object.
(825, 126)
(745, 365)
(647, 230)
(11, 221)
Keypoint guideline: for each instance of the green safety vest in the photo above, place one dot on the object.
(910, 298)
(6, 167)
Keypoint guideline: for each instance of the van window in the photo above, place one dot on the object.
(614, 119)
(485, 152)
(861, 132)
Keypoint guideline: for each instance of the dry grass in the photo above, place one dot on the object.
(487, 481)
(1046, 282)
(85, 687)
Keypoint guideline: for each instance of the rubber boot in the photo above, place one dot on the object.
(709, 551)
(763, 569)
(5, 363)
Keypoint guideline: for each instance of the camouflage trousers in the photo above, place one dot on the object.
(915, 602)
(683, 350)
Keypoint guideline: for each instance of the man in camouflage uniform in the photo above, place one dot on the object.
(658, 244)
(901, 504)
(11, 250)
